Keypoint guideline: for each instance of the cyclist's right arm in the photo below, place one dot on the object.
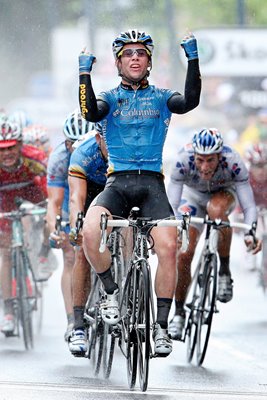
(92, 109)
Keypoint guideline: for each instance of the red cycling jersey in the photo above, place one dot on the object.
(28, 181)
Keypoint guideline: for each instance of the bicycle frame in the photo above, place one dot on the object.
(24, 291)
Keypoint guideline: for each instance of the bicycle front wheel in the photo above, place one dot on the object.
(206, 308)
(129, 338)
(24, 306)
(143, 324)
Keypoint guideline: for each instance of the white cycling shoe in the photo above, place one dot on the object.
(8, 324)
(176, 327)
(225, 288)
(78, 344)
(163, 343)
(109, 308)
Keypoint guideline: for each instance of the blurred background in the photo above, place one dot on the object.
(41, 41)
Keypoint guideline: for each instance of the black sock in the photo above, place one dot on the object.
(179, 308)
(78, 317)
(163, 308)
(224, 266)
(108, 282)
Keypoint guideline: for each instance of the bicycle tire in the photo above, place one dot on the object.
(109, 337)
(35, 292)
(108, 350)
(263, 266)
(206, 308)
(99, 346)
(95, 330)
(191, 325)
(25, 314)
(127, 326)
(143, 324)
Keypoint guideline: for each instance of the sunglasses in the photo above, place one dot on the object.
(130, 52)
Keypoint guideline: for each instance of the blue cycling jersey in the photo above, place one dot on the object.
(87, 162)
(136, 126)
(57, 172)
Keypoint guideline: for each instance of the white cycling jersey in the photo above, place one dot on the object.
(231, 174)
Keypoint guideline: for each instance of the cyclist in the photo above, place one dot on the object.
(207, 178)
(37, 135)
(87, 178)
(21, 118)
(135, 118)
(58, 204)
(22, 174)
(256, 156)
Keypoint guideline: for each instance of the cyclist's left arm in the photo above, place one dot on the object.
(178, 103)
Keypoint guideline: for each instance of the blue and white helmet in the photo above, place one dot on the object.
(132, 36)
(207, 141)
(76, 126)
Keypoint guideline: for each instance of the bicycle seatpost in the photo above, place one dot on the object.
(58, 224)
(134, 213)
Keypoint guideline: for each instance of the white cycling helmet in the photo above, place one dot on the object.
(76, 126)
(21, 118)
(207, 141)
(10, 133)
(35, 133)
(132, 36)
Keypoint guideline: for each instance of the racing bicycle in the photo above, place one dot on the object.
(137, 302)
(201, 299)
(26, 291)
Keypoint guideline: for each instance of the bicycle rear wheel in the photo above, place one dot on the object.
(24, 306)
(206, 308)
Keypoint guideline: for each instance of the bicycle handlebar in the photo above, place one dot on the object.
(22, 212)
(125, 223)
(220, 223)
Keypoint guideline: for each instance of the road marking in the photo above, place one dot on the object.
(48, 387)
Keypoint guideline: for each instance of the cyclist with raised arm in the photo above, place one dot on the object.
(135, 119)
(22, 175)
(58, 204)
(208, 178)
(87, 178)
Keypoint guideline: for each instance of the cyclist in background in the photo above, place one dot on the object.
(135, 119)
(37, 135)
(207, 178)
(87, 178)
(58, 204)
(22, 174)
(256, 156)
(21, 118)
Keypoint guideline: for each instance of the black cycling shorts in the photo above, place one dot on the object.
(144, 189)
(93, 189)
